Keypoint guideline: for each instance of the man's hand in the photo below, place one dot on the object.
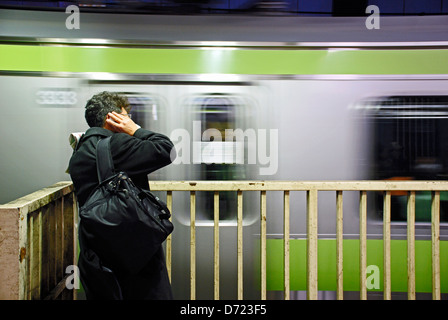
(121, 123)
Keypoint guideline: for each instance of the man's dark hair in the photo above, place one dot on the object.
(101, 104)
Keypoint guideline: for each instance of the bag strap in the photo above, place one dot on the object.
(104, 162)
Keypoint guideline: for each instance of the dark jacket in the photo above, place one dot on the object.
(138, 156)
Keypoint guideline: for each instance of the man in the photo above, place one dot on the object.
(137, 152)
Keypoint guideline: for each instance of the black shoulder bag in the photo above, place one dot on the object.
(123, 224)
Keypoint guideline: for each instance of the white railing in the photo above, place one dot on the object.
(38, 236)
(312, 189)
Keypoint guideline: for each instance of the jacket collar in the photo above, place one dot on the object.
(93, 131)
(97, 131)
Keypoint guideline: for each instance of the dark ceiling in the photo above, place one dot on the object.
(264, 7)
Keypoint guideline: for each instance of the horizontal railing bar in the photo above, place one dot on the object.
(40, 198)
(366, 185)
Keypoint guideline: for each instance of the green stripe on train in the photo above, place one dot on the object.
(327, 264)
(215, 60)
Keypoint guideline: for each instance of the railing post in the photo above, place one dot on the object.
(240, 243)
(363, 244)
(35, 256)
(411, 244)
(192, 245)
(23, 256)
(312, 288)
(339, 246)
(216, 245)
(286, 242)
(386, 245)
(59, 213)
(169, 240)
(70, 254)
(12, 255)
(263, 244)
(435, 244)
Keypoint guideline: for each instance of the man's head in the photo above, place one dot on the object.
(103, 103)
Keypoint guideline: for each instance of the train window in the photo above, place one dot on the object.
(410, 136)
(220, 157)
(146, 111)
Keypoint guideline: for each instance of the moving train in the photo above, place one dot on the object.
(244, 98)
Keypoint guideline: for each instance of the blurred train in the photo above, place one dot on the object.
(244, 98)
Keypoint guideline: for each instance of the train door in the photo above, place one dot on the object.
(410, 136)
(219, 126)
(217, 114)
(215, 118)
